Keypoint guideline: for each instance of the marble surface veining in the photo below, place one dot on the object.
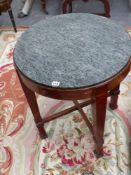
(72, 50)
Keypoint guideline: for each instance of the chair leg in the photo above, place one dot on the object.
(43, 2)
(12, 18)
(106, 7)
(66, 4)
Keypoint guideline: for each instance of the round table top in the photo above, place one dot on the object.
(72, 51)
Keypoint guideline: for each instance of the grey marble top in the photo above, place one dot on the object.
(73, 50)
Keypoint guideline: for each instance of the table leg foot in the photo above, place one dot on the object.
(98, 154)
(42, 132)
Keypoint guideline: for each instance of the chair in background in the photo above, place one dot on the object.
(67, 7)
(5, 5)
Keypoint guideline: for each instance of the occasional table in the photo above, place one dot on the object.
(74, 57)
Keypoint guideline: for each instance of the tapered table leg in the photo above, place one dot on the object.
(32, 101)
(114, 97)
(99, 114)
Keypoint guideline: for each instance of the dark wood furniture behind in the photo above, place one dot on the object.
(5, 5)
(67, 7)
(43, 3)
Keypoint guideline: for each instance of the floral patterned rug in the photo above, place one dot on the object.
(69, 150)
